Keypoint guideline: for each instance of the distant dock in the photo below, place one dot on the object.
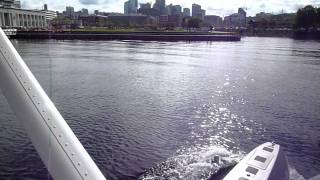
(140, 35)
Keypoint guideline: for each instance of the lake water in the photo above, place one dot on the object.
(163, 110)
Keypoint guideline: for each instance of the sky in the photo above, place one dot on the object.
(213, 7)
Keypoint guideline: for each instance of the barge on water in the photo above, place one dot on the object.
(145, 36)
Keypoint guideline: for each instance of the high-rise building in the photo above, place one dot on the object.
(237, 19)
(126, 7)
(173, 10)
(203, 14)
(10, 3)
(186, 12)
(17, 4)
(69, 12)
(169, 9)
(197, 11)
(84, 12)
(160, 5)
(131, 7)
(176, 10)
(242, 12)
(50, 15)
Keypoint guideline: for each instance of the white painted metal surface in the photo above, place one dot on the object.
(10, 32)
(266, 162)
(58, 147)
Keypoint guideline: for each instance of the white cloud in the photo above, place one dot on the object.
(218, 7)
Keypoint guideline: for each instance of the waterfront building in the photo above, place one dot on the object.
(50, 15)
(69, 12)
(84, 12)
(94, 21)
(269, 21)
(149, 11)
(203, 14)
(10, 4)
(61, 23)
(186, 12)
(7, 3)
(136, 20)
(176, 10)
(14, 18)
(175, 20)
(11, 16)
(173, 9)
(17, 4)
(160, 5)
(163, 20)
(236, 19)
(197, 11)
(243, 15)
(170, 20)
(169, 9)
(131, 7)
(242, 12)
(212, 20)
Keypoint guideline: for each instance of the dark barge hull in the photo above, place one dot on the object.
(127, 36)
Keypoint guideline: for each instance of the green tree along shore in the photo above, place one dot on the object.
(308, 17)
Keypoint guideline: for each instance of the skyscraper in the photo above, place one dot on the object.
(169, 9)
(186, 12)
(10, 3)
(243, 17)
(242, 12)
(84, 12)
(69, 12)
(131, 7)
(196, 10)
(17, 4)
(126, 7)
(176, 10)
(203, 14)
(160, 5)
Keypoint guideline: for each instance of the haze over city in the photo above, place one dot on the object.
(216, 7)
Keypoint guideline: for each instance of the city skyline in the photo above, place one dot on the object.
(214, 7)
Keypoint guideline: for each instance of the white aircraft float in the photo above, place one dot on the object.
(61, 151)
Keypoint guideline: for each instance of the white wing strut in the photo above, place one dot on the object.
(58, 147)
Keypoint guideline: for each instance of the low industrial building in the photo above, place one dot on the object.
(212, 20)
(170, 20)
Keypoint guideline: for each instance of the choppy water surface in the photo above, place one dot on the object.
(164, 110)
